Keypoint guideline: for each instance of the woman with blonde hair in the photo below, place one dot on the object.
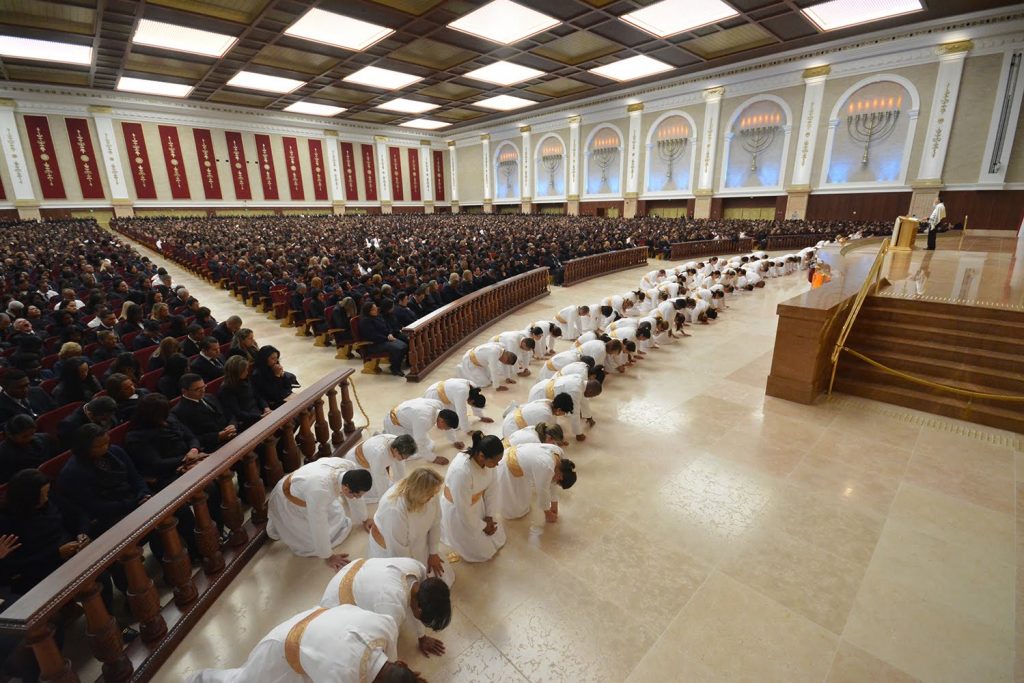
(408, 522)
(67, 350)
(168, 347)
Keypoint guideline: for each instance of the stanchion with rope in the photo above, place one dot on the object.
(362, 411)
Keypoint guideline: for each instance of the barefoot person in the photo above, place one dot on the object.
(470, 501)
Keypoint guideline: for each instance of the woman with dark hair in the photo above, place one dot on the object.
(168, 384)
(533, 467)
(243, 344)
(66, 327)
(240, 401)
(205, 319)
(471, 501)
(131, 319)
(124, 364)
(160, 446)
(122, 389)
(176, 326)
(341, 320)
(168, 347)
(375, 329)
(24, 447)
(76, 383)
(269, 379)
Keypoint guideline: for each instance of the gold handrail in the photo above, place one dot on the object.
(873, 275)
(963, 234)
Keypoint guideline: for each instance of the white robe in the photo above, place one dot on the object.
(402, 532)
(524, 469)
(379, 585)
(572, 323)
(518, 417)
(546, 344)
(595, 349)
(454, 394)
(470, 495)
(521, 436)
(482, 365)
(573, 385)
(315, 528)
(511, 341)
(558, 361)
(416, 417)
(577, 369)
(599, 321)
(344, 644)
(374, 454)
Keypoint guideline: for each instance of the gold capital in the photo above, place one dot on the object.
(97, 109)
(425, 143)
(331, 133)
(575, 120)
(485, 137)
(638, 106)
(380, 138)
(955, 48)
(451, 143)
(816, 71)
(524, 129)
(4, 102)
(714, 93)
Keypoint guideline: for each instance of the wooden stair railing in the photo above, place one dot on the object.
(579, 269)
(682, 250)
(254, 455)
(793, 241)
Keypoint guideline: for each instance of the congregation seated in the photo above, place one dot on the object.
(24, 447)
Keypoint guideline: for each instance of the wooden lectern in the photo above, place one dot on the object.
(904, 232)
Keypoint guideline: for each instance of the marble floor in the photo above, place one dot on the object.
(715, 534)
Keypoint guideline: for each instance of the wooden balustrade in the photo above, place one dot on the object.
(163, 626)
(580, 269)
(436, 335)
(685, 250)
(793, 241)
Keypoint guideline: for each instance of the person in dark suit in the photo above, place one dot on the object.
(269, 378)
(109, 346)
(375, 329)
(23, 448)
(122, 389)
(190, 347)
(150, 336)
(203, 414)
(18, 397)
(101, 411)
(161, 447)
(208, 363)
(225, 331)
(169, 383)
(77, 383)
(240, 401)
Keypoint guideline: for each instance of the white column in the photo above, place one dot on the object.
(485, 147)
(1003, 124)
(453, 165)
(335, 185)
(712, 111)
(635, 111)
(810, 119)
(383, 171)
(14, 154)
(940, 119)
(573, 159)
(526, 167)
(426, 176)
(117, 182)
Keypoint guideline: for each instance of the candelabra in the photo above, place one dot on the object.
(551, 161)
(671, 146)
(874, 120)
(757, 133)
(508, 168)
(603, 152)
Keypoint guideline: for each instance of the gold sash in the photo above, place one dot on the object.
(518, 417)
(549, 390)
(476, 496)
(394, 417)
(293, 641)
(505, 443)
(361, 458)
(550, 365)
(578, 343)
(496, 338)
(512, 458)
(442, 395)
(560, 319)
(473, 360)
(378, 537)
(286, 489)
(346, 596)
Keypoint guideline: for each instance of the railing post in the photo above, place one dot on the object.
(255, 493)
(334, 415)
(307, 442)
(231, 509)
(105, 636)
(53, 666)
(347, 409)
(323, 432)
(292, 456)
(272, 468)
(177, 569)
(206, 535)
(142, 597)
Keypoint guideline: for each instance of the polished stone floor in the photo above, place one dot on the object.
(715, 534)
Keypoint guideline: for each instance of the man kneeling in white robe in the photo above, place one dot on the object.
(518, 417)
(397, 587)
(488, 364)
(343, 644)
(471, 500)
(533, 467)
(384, 456)
(306, 510)
(417, 417)
(580, 389)
(457, 394)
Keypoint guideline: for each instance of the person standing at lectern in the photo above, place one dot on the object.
(938, 215)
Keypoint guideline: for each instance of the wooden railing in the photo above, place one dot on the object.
(793, 241)
(580, 269)
(683, 250)
(254, 455)
(436, 335)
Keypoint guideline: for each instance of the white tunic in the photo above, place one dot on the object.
(374, 454)
(524, 469)
(598, 321)
(511, 341)
(343, 644)
(482, 365)
(469, 496)
(558, 361)
(415, 417)
(306, 510)
(525, 435)
(546, 344)
(577, 369)
(401, 532)
(573, 325)
(518, 417)
(379, 585)
(454, 394)
(573, 385)
(595, 349)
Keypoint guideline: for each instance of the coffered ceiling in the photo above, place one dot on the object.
(586, 35)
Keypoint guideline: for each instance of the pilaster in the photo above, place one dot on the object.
(485, 146)
(526, 170)
(810, 119)
(709, 149)
(453, 165)
(17, 163)
(335, 186)
(940, 119)
(573, 161)
(380, 143)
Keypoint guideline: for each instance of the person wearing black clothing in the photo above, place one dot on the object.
(191, 346)
(316, 310)
(269, 378)
(168, 347)
(132, 321)
(203, 414)
(150, 336)
(244, 344)
(208, 363)
(24, 447)
(122, 389)
(77, 383)
(375, 329)
(241, 403)
(101, 411)
(109, 347)
(403, 314)
(18, 397)
(158, 443)
(226, 330)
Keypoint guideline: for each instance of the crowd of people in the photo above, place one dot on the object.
(403, 577)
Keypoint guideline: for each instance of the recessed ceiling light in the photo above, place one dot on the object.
(251, 80)
(504, 103)
(314, 109)
(634, 67)
(407, 106)
(669, 17)
(829, 16)
(45, 50)
(504, 21)
(182, 38)
(322, 26)
(144, 85)
(425, 124)
(385, 79)
(504, 73)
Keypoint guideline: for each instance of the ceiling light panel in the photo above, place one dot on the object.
(504, 73)
(407, 106)
(314, 109)
(829, 16)
(385, 79)
(640, 66)
(182, 38)
(148, 87)
(251, 80)
(329, 28)
(504, 103)
(45, 50)
(425, 124)
(504, 21)
(669, 17)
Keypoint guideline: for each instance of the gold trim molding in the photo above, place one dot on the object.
(524, 129)
(331, 133)
(575, 120)
(639, 106)
(817, 71)
(712, 93)
(99, 109)
(956, 47)
(485, 137)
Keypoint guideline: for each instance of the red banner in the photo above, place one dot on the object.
(173, 162)
(265, 159)
(316, 166)
(294, 168)
(142, 173)
(46, 159)
(415, 193)
(348, 165)
(439, 175)
(85, 158)
(395, 157)
(239, 171)
(369, 172)
(207, 163)
(3, 194)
